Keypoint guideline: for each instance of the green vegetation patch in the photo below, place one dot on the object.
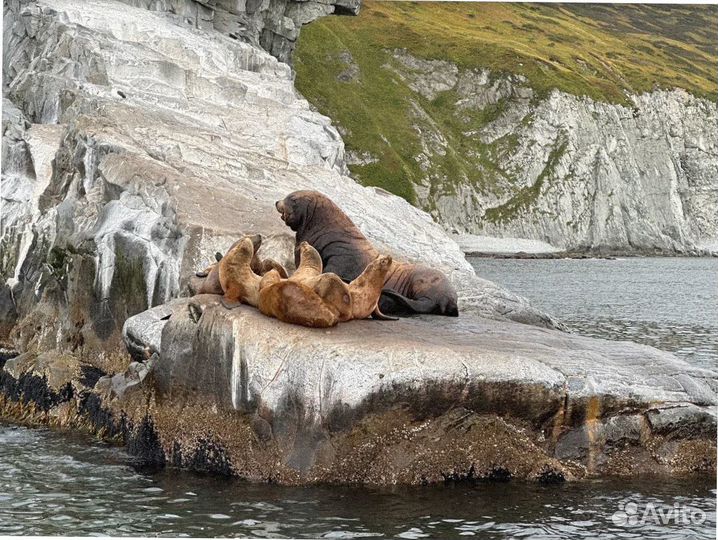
(345, 67)
(526, 196)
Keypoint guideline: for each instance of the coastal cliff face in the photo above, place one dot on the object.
(135, 145)
(573, 172)
(586, 129)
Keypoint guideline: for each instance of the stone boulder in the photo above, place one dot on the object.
(418, 400)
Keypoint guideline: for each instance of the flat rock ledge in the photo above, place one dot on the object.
(420, 400)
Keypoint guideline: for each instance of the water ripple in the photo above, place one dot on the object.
(55, 483)
(110, 498)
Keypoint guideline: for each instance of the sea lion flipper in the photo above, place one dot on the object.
(378, 315)
(425, 305)
(230, 305)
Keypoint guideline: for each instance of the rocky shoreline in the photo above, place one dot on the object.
(525, 248)
(610, 255)
(135, 145)
(239, 394)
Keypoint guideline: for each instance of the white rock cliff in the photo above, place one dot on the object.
(136, 145)
(570, 171)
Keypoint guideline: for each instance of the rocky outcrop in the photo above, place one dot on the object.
(405, 401)
(566, 170)
(135, 146)
(415, 401)
(273, 25)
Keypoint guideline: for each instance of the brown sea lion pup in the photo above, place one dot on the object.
(345, 251)
(239, 283)
(329, 287)
(366, 289)
(211, 284)
(293, 302)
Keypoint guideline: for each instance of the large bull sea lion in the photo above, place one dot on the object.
(345, 251)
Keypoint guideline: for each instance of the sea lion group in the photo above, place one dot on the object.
(408, 288)
(339, 275)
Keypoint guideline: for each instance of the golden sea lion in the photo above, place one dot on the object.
(334, 292)
(211, 284)
(309, 263)
(328, 286)
(366, 289)
(239, 283)
(295, 303)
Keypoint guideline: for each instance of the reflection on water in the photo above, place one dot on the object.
(54, 483)
(668, 303)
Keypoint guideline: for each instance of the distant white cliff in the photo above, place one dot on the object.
(570, 171)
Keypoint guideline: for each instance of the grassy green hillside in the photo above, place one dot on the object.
(601, 51)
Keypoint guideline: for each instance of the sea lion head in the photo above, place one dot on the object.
(244, 251)
(293, 209)
(377, 270)
(301, 207)
(309, 258)
(384, 262)
(432, 285)
(305, 249)
(381, 264)
(256, 241)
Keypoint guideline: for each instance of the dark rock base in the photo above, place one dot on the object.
(389, 447)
